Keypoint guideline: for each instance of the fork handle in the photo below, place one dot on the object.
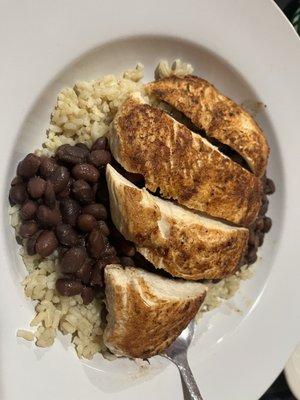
(189, 385)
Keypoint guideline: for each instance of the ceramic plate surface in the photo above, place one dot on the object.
(248, 50)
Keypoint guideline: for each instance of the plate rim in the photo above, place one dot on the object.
(285, 253)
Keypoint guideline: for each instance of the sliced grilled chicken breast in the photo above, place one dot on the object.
(181, 164)
(146, 312)
(215, 113)
(181, 242)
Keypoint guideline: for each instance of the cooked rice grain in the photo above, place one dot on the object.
(178, 68)
(83, 113)
(24, 334)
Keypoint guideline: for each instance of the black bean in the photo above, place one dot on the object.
(84, 272)
(84, 147)
(252, 255)
(28, 229)
(110, 260)
(109, 255)
(97, 210)
(67, 190)
(259, 224)
(70, 210)
(264, 205)
(95, 188)
(127, 248)
(87, 295)
(72, 259)
(127, 262)
(86, 222)
(18, 194)
(260, 236)
(31, 244)
(28, 210)
(267, 224)
(17, 180)
(48, 217)
(67, 235)
(269, 186)
(36, 187)
(108, 251)
(102, 226)
(61, 251)
(29, 166)
(68, 287)
(82, 191)
(253, 239)
(71, 154)
(46, 243)
(97, 274)
(47, 167)
(99, 158)
(49, 195)
(97, 243)
(87, 172)
(100, 144)
(59, 179)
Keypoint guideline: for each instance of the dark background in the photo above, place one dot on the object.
(279, 390)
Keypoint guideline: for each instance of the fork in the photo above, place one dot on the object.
(177, 353)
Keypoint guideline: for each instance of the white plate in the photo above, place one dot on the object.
(249, 50)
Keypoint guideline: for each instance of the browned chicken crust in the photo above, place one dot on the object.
(182, 165)
(142, 322)
(172, 238)
(219, 116)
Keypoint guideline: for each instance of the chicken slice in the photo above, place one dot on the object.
(217, 115)
(181, 164)
(146, 312)
(181, 242)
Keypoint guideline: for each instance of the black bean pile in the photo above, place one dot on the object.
(64, 207)
(261, 226)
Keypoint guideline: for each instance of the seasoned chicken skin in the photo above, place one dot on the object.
(146, 312)
(182, 165)
(217, 115)
(173, 238)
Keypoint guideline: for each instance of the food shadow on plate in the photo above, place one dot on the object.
(113, 376)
